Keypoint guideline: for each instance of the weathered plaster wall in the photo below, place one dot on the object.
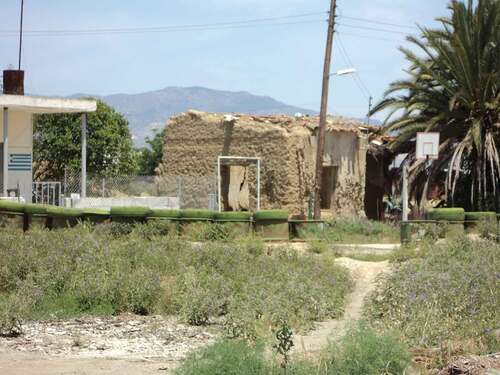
(194, 141)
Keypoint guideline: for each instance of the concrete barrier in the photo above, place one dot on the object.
(171, 203)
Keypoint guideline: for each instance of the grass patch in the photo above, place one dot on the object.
(360, 231)
(114, 268)
(442, 293)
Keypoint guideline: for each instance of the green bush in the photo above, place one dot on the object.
(133, 212)
(233, 216)
(167, 214)
(227, 358)
(443, 292)
(481, 216)
(36, 209)
(197, 214)
(446, 214)
(10, 206)
(95, 212)
(265, 215)
(61, 212)
(362, 351)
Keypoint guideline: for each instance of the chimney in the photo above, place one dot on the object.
(13, 82)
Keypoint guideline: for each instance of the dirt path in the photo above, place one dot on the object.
(364, 275)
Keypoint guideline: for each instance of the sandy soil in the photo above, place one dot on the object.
(364, 275)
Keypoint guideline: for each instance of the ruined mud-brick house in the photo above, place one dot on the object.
(286, 146)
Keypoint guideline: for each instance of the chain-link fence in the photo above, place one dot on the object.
(190, 192)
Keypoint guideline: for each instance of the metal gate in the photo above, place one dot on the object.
(47, 193)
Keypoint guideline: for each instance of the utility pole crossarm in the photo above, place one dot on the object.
(324, 111)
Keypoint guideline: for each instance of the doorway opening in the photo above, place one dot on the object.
(328, 186)
(233, 175)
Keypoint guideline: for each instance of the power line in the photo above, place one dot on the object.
(250, 22)
(136, 32)
(357, 79)
(373, 29)
(366, 20)
(371, 37)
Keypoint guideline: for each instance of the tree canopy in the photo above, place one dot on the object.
(453, 87)
(57, 144)
(150, 157)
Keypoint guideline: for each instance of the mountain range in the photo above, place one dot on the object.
(151, 110)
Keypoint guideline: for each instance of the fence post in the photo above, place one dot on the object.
(179, 190)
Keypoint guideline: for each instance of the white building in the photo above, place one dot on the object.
(16, 137)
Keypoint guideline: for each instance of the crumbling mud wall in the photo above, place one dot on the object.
(286, 146)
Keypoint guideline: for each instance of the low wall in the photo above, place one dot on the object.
(107, 203)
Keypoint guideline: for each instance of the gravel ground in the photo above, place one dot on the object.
(127, 341)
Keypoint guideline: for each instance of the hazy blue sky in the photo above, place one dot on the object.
(283, 61)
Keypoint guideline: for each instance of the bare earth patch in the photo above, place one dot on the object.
(126, 344)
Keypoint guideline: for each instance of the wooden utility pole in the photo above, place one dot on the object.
(324, 112)
(21, 34)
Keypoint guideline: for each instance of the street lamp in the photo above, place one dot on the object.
(344, 72)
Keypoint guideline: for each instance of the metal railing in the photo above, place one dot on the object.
(47, 193)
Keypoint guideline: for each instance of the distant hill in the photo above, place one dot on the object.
(150, 110)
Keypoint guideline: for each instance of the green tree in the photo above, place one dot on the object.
(57, 144)
(453, 87)
(150, 157)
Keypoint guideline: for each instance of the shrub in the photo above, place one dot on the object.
(13, 309)
(450, 292)
(233, 216)
(263, 215)
(10, 206)
(89, 212)
(481, 216)
(362, 351)
(197, 214)
(61, 212)
(227, 358)
(167, 214)
(130, 211)
(446, 214)
(36, 209)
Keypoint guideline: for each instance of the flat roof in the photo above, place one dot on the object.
(40, 104)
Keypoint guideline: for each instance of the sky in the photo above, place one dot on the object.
(281, 57)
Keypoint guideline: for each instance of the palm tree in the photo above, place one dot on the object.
(453, 88)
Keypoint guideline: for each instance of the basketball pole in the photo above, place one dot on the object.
(404, 191)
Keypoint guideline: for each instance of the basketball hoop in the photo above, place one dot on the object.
(427, 146)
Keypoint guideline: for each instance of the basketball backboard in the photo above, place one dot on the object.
(427, 146)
